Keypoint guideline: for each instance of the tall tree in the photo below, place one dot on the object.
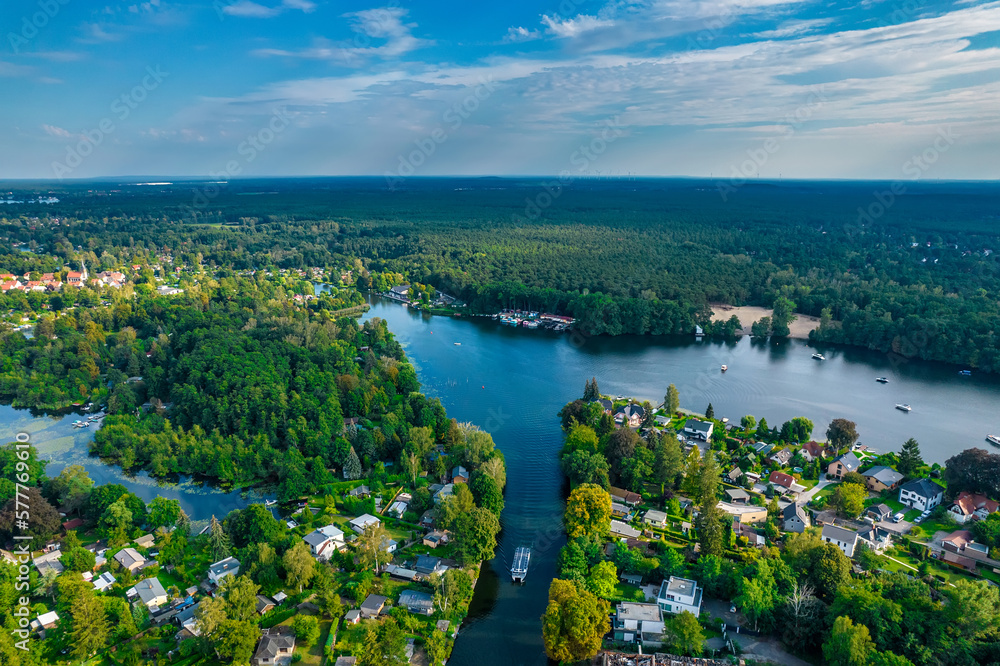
(591, 392)
(299, 565)
(685, 634)
(476, 535)
(842, 433)
(691, 485)
(352, 466)
(574, 623)
(371, 546)
(709, 412)
(218, 540)
(848, 645)
(672, 400)
(90, 624)
(668, 461)
(909, 457)
(588, 511)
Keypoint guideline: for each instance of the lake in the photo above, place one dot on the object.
(512, 382)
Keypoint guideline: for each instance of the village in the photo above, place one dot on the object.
(771, 491)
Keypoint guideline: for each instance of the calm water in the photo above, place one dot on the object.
(512, 383)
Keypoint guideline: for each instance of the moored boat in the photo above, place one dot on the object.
(993, 439)
(882, 380)
(819, 357)
(903, 407)
(725, 367)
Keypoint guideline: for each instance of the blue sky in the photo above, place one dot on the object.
(722, 88)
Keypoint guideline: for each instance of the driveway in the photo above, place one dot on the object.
(807, 496)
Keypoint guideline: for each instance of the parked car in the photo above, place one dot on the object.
(898, 517)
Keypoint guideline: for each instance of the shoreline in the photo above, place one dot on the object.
(800, 327)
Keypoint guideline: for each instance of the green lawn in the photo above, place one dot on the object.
(911, 515)
(626, 592)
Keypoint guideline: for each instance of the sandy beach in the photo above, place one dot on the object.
(748, 314)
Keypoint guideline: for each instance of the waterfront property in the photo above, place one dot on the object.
(881, 478)
(970, 506)
(842, 465)
(620, 529)
(699, 429)
(921, 494)
(639, 623)
(678, 595)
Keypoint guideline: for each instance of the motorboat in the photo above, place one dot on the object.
(904, 407)
(725, 367)
(819, 357)
(993, 439)
(882, 380)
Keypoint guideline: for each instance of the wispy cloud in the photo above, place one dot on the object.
(574, 27)
(250, 9)
(95, 33)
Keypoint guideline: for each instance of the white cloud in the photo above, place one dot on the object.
(574, 27)
(52, 130)
(794, 28)
(521, 34)
(250, 9)
(95, 33)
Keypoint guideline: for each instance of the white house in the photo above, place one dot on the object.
(921, 494)
(699, 429)
(844, 539)
(361, 523)
(620, 529)
(654, 517)
(324, 542)
(103, 582)
(150, 593)
(227, 567)
(639, 623)
(678, 595)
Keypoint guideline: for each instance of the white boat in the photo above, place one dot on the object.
(725, 367)
(904, 407)
(993, 439)
(882, 380)
(458, 344)
(519, 569)
(819, 357)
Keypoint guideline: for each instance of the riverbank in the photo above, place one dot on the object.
(799, 329)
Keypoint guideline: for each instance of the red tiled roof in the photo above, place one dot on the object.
(781, 479)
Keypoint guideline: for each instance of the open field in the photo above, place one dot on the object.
(748, 314)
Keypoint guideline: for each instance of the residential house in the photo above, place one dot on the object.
(352, 616)
(639, 623)
(697, 429)
(626, 496)
(401, 573)
(264, 604)
(145, 541)
(794, 519)
(631, 414)
(734, 475)
(187, 622)
(417, 602)
(812, 451)
(844, 539)
(620, 529)
(72, 524)
(842, 465)
(372, 606)
(324, 542)
(150, 592)
(361, 523)
(435, 538)
(47, 561)
(753, 537)
(657, 518)
(921, 494)
(103, 582)
(619, 510)
(275, 648)
(398, 508)
(762, 449)
(678, 595)
(359, 492)
(781, 481)
(881, 478)
(961, 543)
(875, 538)
(44, 622)
(745, 512)
(227, 567)
(389, 545)
(444, 493)
(879, 512)
(781, 458)
(459, 475)
(427, 565)
(129, 558)
(605, 404)
(401, 292)
(737, 495)
(346, 661)
(972, 507)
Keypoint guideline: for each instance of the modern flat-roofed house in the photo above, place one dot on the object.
(654, 517)
(678, 595)
(227, 567)
(794, 519)
(747, 513)
(972, 507)
(275, 648)
(842, 465)
(44, 622)
(844, 539)
(639, 623)
(129, 558)
(881, 478)
(697, 429)
(921, 494)
(361, 523)
(620, 529)
(150, 593)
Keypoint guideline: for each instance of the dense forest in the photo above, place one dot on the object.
(621, 256)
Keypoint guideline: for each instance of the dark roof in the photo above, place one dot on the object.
(923, 487)
(849, 461)
(427, 564)
(698, 426)
(271, 642)
(373, 603)
(414, 599)
(793, 510)
(886, 475)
